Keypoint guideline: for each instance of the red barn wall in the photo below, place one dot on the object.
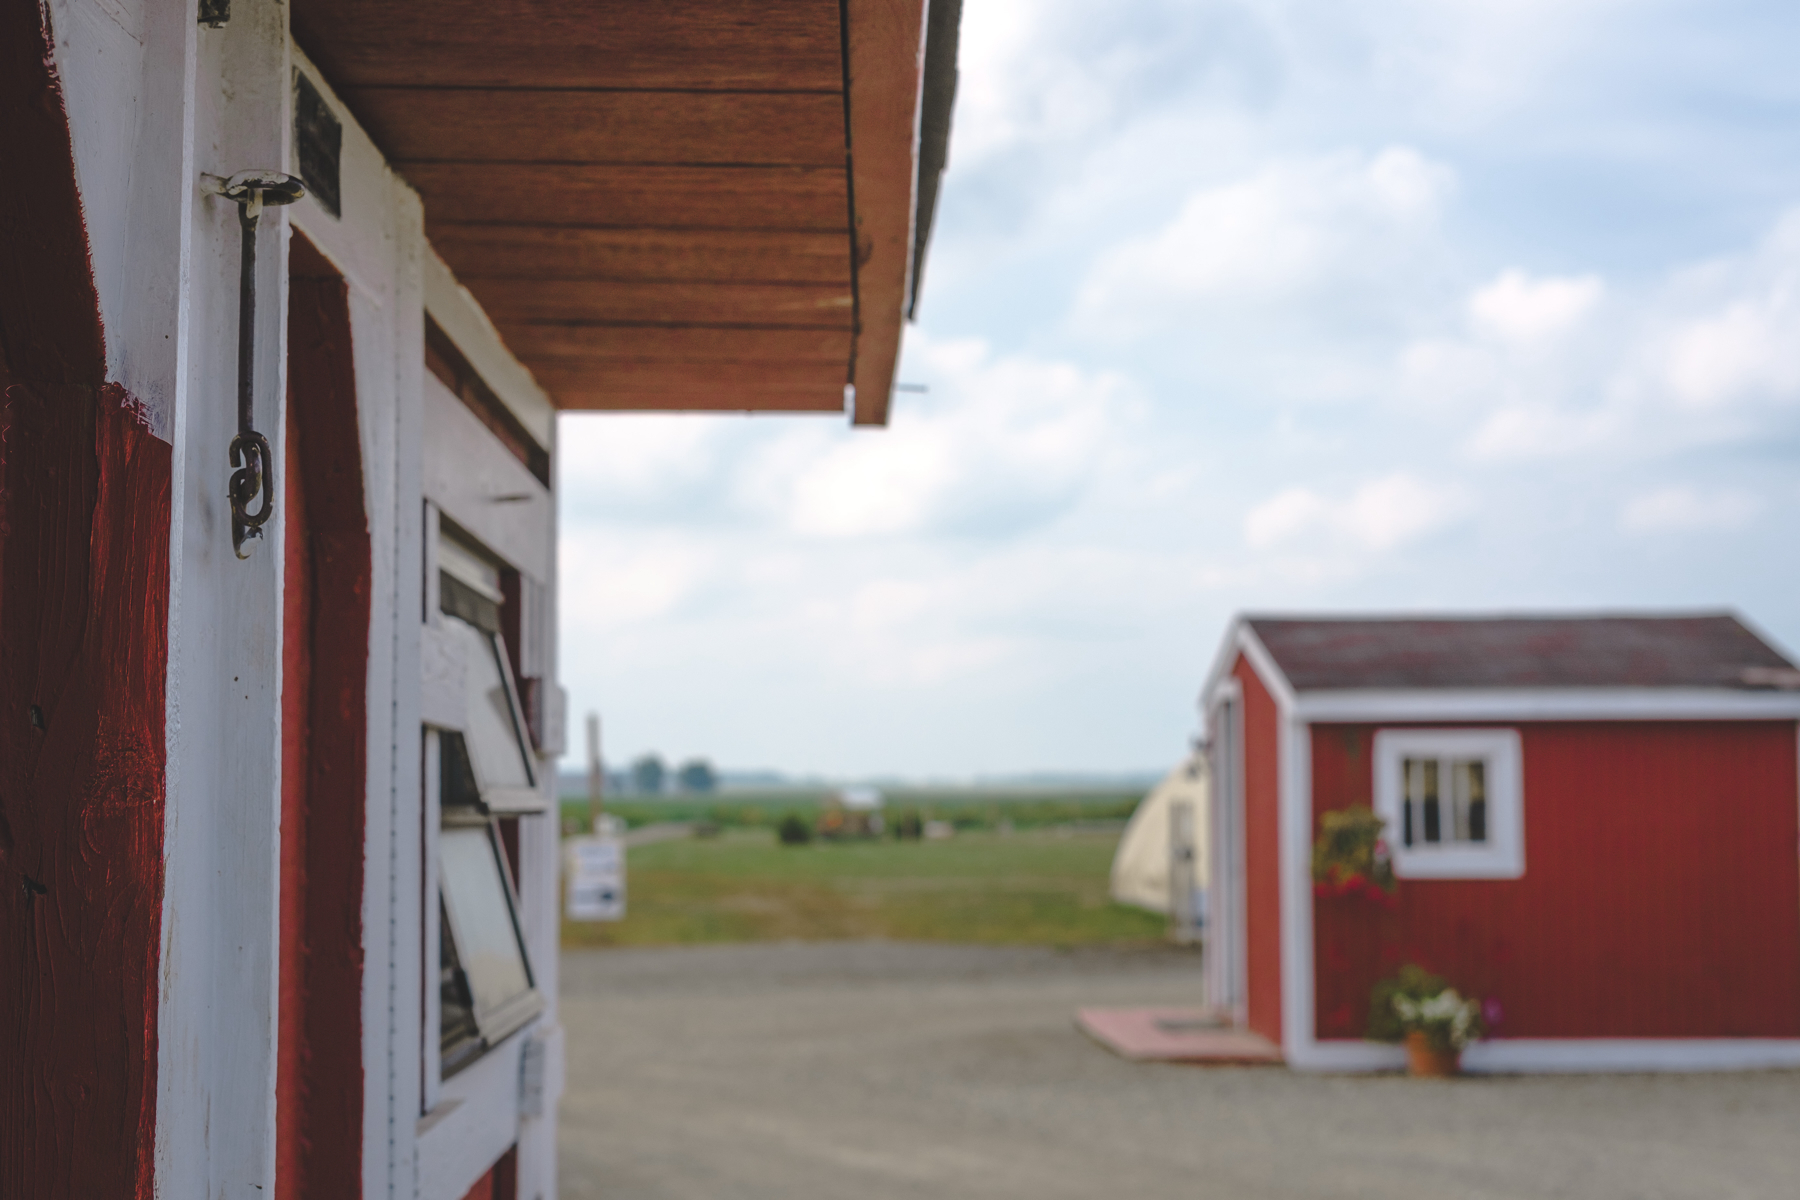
(324, 727)
(1262, 853)
(84, 612)
(1661, 895)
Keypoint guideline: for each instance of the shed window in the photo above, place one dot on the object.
(494, 745)
(1452, 800)
(486, 776)
(485, 982)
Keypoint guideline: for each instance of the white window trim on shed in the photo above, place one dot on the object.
(1502, 855)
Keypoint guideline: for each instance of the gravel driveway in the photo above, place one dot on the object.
(877, 1070)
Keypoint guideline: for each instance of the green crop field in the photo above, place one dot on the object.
(966, 809)
(1044, 887)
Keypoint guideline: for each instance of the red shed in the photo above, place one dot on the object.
(1623, 876)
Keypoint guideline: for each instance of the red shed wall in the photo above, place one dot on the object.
(1262, 853)
(324, 719)
(84, 611)
(1661, 895)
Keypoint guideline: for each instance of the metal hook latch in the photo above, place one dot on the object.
(251, 191)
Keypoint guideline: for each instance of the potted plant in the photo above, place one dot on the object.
(1433, 1019)
(1350, 857)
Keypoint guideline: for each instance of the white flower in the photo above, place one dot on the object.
(1447, 1012)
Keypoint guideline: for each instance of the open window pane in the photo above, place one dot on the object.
(494, 734)
(459, 1037)
(457, 773)
(495, 738)
(484, 933)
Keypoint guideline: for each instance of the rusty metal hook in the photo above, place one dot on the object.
(256, 473)
(251, 191)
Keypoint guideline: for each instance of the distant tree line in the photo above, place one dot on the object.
(651, 776)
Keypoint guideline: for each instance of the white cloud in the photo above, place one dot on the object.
(1537, 429)
(1288, 229)
(1017, 86)
(1001, 443)
(1553, 366)
(632, 456)
(1520, 309)
(1381, 514)
(1477, 59)
(1684, 509)
(621, 581)
(1748, 351)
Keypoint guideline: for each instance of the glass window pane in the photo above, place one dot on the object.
(1413, 775)
(1429, 797)
(1477, 800)
(493, 735)
(457, 1032)
(487, 940)
(469, 568)
(456, 772)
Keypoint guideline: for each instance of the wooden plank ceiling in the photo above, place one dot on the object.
(652, 198)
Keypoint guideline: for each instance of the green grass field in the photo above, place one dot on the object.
(966, 809)
(1043, 887)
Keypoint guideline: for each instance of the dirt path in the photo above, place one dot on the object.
(877, 1070)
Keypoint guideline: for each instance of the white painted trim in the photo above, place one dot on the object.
(1386, 706)
(1224, 958)
(1632, 1054)
(475, 1120)
(475, 481)
(128, 79)
(1295, 850)
(1339, 1055)
(363, 243)
(409, 986)
(216, 101)
(1241, 639)
(1503, 854)
(1569, 1055)
(466, 323)
(1218, 675)
(376, 244)
(430, 1055)
(1268, 670)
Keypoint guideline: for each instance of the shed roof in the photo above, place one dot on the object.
(1707, 650)
(666, 204)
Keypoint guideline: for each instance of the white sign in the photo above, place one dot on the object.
(596, 874)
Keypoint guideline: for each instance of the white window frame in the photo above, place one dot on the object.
(1503, 855)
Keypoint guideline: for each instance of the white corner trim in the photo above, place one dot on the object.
(1218, 675)
(466, 323)
(1547, 704)
(1213, 701)
(1295, 857)
(1241, 639)
(1268, 670)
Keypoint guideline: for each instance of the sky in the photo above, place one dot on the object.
(1369, 306)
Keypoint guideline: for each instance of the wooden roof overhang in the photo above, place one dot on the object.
(667, 204)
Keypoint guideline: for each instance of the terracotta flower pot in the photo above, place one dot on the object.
(1427, 1061)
